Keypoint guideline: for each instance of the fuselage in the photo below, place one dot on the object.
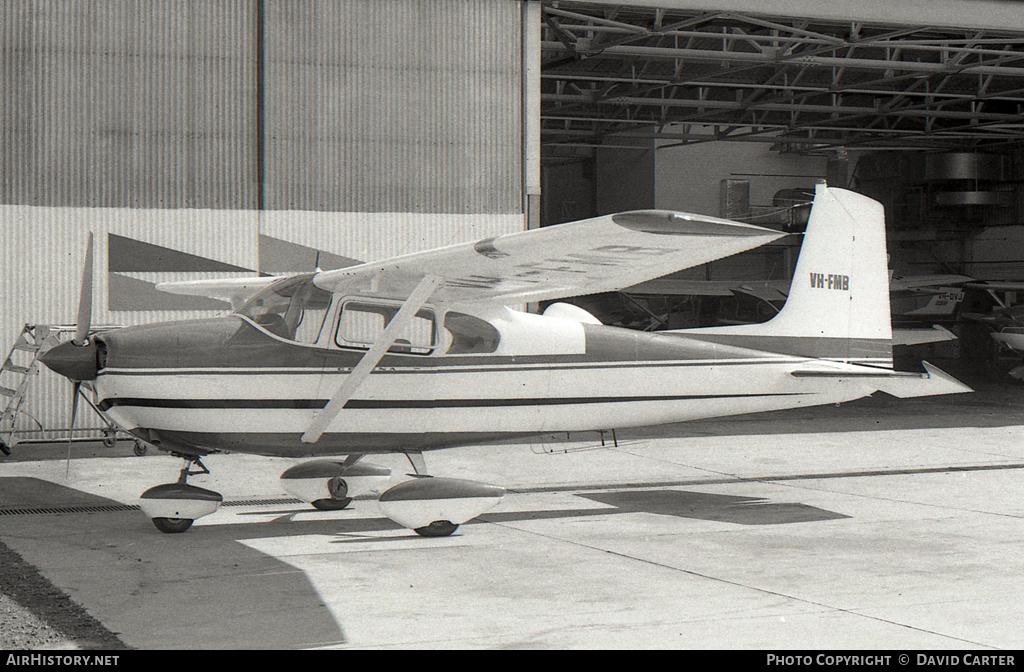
(236, 384)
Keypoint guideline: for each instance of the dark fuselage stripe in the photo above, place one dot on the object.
(291, 404)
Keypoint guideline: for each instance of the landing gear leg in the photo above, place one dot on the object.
(437, 528)
(330, 485)
(435, 507)
(419, 465)
(175, 506)
(338, 499)
(338, 488)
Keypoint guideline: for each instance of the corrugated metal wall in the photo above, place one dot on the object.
(128, 103)
(393, 106)
(399, 120)
(369, 105)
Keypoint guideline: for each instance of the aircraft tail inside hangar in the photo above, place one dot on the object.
(737, 108)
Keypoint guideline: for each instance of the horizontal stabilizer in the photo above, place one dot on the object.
(931, 383)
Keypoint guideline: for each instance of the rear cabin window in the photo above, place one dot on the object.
(470, 335)
(361, 323)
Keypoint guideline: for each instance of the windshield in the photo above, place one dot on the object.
(292, 308)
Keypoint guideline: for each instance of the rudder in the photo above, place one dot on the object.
(838, 303)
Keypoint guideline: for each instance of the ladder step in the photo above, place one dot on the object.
(30, 347)
(14, 368)
(7, 392)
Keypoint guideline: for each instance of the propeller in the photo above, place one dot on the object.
(76, 360)
(75, 391)
(85, 299)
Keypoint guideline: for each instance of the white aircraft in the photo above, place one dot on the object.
(425, 351)
(1006, 319)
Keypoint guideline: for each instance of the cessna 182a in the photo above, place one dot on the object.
(423, 351)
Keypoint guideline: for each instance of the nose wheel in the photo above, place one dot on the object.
(172, 525)
(173, 507)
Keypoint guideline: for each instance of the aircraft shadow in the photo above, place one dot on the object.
(710, 506)
(677, 503)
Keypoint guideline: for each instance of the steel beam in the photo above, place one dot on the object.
(956, 14)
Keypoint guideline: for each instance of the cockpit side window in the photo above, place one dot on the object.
(470, 335)
(361, 323)
(294, 309)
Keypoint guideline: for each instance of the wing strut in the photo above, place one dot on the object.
(394, 329)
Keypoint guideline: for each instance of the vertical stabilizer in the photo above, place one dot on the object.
(838, 303)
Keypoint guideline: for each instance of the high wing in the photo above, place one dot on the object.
(590, 256)
(595, 255)
(235, 291)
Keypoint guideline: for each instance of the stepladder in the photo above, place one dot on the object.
(17, 372)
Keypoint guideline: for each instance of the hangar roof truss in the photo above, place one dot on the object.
(806, 85)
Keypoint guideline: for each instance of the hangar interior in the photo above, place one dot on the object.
(738, 109)
(217, 139)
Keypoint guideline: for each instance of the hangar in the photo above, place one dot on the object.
(736, 108)
(200, 139)
(221, 139)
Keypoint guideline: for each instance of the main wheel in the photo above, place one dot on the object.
(331, 504)
(172, 525)
(438, 528)
(139, 449)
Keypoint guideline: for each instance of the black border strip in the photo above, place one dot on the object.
(314, 404)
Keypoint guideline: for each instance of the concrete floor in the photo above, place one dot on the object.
(881, 524)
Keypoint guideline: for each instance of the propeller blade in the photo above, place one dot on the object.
(85, 300)
(71, 425)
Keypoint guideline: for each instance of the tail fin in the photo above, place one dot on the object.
(838, 304)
